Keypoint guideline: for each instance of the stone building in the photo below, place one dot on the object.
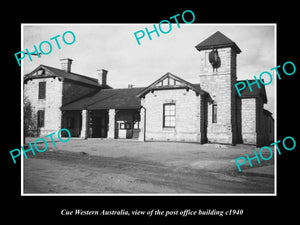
(169, 109)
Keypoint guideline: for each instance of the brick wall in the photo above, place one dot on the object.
(187, 126)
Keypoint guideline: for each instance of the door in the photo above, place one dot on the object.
(203, 121)
(98, 124)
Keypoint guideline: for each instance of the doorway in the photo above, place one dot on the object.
(98, 124)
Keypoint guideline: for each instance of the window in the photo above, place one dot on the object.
(128, 126)
(169, 115)
(125, 126)
(42, 90)
(214, 113)
(41, 118)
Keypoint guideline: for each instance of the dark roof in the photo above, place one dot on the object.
(217, 40)
(267, 112)
(125, 98)
(256, 91)
(63, 74)
(181, 83)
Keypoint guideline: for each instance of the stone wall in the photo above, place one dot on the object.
(187, 120)
(51, 104)
(220, 85)
(255, 123)
(249, 120)
(111, 133)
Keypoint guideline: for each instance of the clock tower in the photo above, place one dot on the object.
(217, 76)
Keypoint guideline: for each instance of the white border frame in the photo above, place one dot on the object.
(165, 194)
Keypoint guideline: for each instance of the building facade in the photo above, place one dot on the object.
(169, 109)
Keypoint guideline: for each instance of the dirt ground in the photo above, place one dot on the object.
(99, 166)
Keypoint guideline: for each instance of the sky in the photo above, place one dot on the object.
(113, 47)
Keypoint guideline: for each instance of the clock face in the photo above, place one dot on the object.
(214, 59)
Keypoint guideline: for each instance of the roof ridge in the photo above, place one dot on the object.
(71, 75)
(123, 88)
(77, 74)
(168, 74)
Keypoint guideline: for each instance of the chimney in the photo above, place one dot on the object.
(102, 77)
(66, 64)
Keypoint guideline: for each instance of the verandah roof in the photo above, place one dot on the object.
(125, 98)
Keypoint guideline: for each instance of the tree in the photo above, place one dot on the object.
(30, 119)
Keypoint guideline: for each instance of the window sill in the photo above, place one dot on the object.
(169, 128)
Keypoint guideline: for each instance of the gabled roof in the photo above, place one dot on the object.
(170, 81)
(256, 91)
(268, 113)
(129, 98)
(54, 72)
(217, 40)
(124, 98)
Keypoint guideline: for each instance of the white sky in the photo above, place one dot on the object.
(113, 47)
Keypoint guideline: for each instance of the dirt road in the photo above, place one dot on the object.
(130, 167)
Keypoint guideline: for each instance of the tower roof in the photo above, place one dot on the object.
(217, 40)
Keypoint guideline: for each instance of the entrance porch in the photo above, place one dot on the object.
(105, 123)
